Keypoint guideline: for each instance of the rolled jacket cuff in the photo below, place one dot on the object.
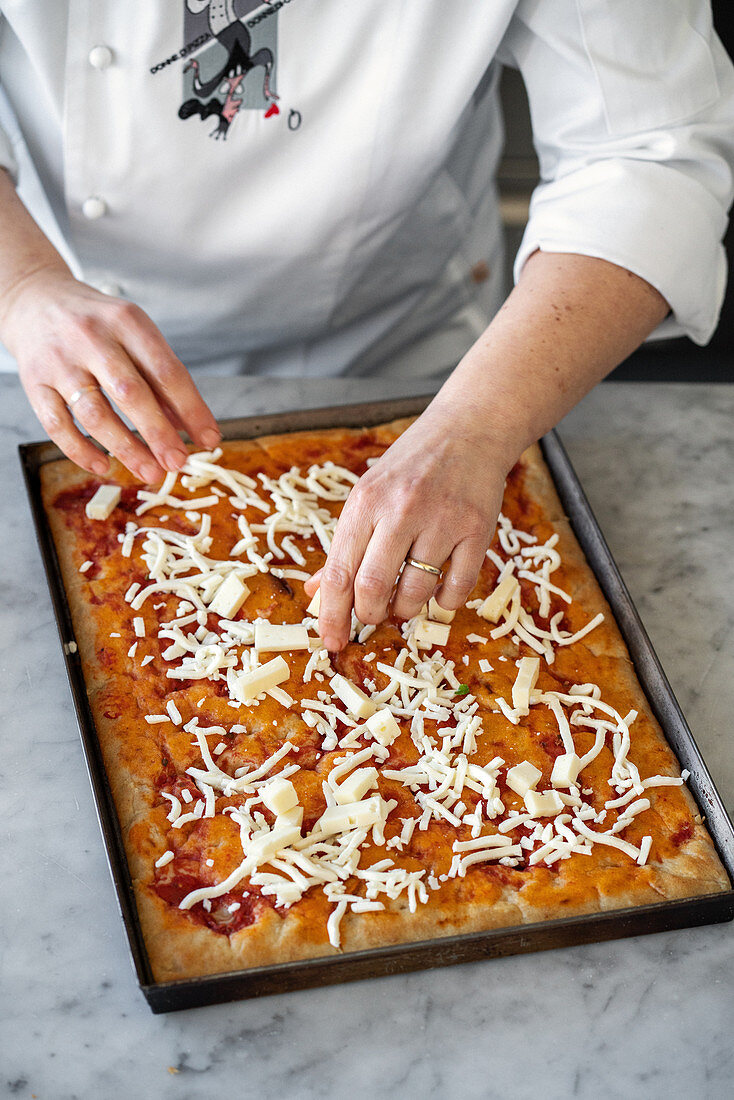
(651, 219)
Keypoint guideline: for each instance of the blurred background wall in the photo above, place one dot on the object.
(666, 360)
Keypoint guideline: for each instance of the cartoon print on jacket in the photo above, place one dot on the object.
(217, 79)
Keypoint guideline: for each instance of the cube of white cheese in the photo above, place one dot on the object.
(265, 846)
(527, 675)
(103, 502)
(356, 815)
(355, 786)
(248, 685)
(353, 698)
(543, 803)
(279, 795)
(229, 597)
(565, 770)
(315, 606)
(523, 777)
(290, 817)
(427, 633)
(383, 726)
(496, 603)
(278, 638)
(439, 614)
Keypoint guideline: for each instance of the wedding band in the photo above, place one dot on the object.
(80, 393)
(424, 566)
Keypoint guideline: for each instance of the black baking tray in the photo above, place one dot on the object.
(400, 958)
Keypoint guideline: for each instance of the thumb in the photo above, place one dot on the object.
(312, 583)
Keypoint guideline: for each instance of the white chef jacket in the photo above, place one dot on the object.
(323, 211)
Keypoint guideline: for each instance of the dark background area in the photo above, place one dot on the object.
(662, 360)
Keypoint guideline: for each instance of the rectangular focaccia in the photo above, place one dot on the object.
(285, 804)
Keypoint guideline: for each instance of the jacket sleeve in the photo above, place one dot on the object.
(7, 155)
(632, 106)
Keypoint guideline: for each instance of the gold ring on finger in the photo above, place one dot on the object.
(432, 569)
(80, 393)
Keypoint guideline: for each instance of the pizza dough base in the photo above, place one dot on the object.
(489, 897)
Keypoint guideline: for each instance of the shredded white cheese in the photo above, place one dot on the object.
(421, 703)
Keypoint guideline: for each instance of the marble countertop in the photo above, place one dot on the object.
(647, 1017)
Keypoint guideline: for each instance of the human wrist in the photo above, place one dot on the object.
(483, 416)
(25, 292)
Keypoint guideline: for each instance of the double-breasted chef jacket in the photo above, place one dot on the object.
(310, 183)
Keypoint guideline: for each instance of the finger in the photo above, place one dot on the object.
(172, 415)
(59, 425)
(126, 386)
(461, 576)
(416, 586)
(376, 576)
(167, 376)
(310, 586)
(95, 414)
(351, 537)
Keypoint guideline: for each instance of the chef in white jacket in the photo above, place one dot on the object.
(308, 185)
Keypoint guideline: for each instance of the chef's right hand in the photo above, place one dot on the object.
(70, 339)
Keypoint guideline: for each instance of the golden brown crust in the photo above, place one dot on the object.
(682, 863)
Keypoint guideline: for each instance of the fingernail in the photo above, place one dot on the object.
(211, 437)
(331, 644)
(101, 466)
(174, 460)
(150, 473)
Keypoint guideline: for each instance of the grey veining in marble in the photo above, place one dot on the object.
(643, 1018)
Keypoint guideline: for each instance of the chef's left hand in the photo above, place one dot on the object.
(434, 495)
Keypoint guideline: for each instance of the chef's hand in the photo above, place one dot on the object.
(70, 339)
(436, 492)
(434, 496)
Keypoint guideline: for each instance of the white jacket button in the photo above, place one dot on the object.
(100, 57)
(94, 208)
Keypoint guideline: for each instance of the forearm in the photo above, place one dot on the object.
(25, 251)
(570, 320)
